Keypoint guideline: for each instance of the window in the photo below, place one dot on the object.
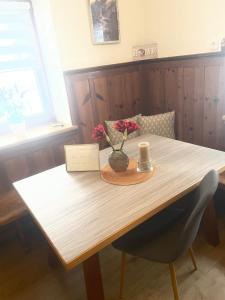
(24, 91)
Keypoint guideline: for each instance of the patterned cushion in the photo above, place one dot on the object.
(161, 124)
(115, 136)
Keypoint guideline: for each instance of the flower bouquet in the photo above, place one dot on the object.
(118, 160)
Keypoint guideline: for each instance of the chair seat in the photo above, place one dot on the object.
(171, 232)
(11, 207)
(148, 240)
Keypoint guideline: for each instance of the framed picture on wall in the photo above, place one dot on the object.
(104, 21)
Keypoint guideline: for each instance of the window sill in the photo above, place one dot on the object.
(34, 135)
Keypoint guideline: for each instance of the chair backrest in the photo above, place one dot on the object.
(204, 193)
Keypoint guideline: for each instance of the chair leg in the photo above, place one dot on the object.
(192, 256)
(122, 274)
(174, 281)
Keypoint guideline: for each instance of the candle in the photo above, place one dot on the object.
(143, 152)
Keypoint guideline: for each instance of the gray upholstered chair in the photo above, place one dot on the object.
(166, 242)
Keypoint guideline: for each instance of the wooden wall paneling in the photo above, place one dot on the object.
(101, 99)
(210, 105)
(144, 85)
(41, 160)
(173, 93)
(220, 140)
(134, 96)
(192, 86)
(59, 153)
(4, 182)
(17, 168)
(117, 98)
(58, 149)
(144, 90)
(193, 83)
(23, 160)
(214, 106)
(84, 105)
(154, 89)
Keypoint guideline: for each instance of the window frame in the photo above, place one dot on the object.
(48, 115)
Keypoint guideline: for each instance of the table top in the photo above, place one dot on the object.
(80, 214)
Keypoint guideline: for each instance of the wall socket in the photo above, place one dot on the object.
(145, 51)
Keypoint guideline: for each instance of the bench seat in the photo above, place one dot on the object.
(12, 207)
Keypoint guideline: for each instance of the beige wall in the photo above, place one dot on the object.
(186, 26)
(71, 20)
(179, 26)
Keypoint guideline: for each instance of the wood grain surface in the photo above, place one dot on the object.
(80, 214)
(129, 177)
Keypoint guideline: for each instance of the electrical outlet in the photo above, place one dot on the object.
(145, 51)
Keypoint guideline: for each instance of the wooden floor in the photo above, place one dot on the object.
(28, 276)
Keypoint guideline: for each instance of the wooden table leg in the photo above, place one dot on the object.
(93, 278)
(210, 225)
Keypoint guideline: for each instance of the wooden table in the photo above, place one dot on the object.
(80, 214)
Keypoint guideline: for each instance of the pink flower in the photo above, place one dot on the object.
(120, 126)
(99, 133)
(123, 125)
(131, 126)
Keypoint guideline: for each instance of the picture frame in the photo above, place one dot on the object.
(104, 21)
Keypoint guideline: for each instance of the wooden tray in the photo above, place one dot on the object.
(129, 177)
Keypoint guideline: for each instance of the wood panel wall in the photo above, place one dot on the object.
(104, 95)
(23, 160)
(193, 86)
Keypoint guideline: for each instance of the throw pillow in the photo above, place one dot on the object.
(161, 124)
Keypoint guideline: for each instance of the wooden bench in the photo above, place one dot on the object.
(11, 207)
(24, 158)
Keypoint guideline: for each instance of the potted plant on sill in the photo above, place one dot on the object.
(12, 108)
(118, 160)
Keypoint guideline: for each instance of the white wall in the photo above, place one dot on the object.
(186, 26)
(72, 25)
(179, 26)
